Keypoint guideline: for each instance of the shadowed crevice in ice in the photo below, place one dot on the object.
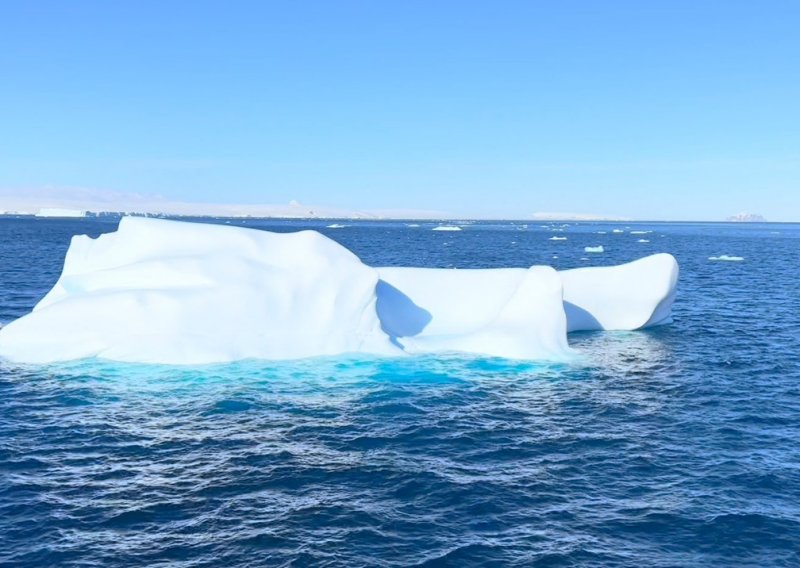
(579, 319)
(399, 315)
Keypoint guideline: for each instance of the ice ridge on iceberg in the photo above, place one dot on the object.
(159, 291)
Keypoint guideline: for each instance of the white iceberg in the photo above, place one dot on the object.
(725, 257)
(446, 228)
(160, 291)
(643, 241)
(557, 239)
(336, 226)
(598, 248)
(626, 297)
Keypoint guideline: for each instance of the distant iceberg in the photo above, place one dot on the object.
(557, 239)
(159, 291)
(60, 213)
(598, 248)
(446, 228)
(336, 226)
(643, 241)
(725, 257)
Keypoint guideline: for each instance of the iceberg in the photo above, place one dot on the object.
(446, 228)
(598, 248)
(557, 239)
(629, 296)
(160, 291)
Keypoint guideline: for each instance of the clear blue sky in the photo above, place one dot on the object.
(670, 109)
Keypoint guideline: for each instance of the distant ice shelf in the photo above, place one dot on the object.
(159, 291)
(60, 213)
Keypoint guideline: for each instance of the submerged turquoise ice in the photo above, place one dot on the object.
(672, 446)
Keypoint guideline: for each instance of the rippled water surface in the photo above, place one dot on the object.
(678, 446)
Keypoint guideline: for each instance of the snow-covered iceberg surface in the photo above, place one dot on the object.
(161, 291)
(506, 312)
(629, 296)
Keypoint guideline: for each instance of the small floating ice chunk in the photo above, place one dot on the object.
(336, 226)
(725, 257)
(446, 228)
(600, 232)
(617, 231)
(598, 248)
(643, 241)
(412, 224)
(557, 239)
(640, 232)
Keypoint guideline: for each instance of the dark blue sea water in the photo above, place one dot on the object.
(678, 446)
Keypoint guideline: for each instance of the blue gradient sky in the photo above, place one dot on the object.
(676, 110)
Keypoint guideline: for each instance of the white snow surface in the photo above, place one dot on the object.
(505, 312)
(159, 291)
(625, 297)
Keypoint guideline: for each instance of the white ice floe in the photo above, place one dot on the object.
(598, 248)
(617, 231)
(725, 257)
(446, 228)
(158, 291)
(625, 297)
(557, 239)
(640, 232)
(643, 241)
(336, 226)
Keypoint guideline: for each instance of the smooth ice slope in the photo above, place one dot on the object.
(506, 312)
(625, 297)
(161, 291)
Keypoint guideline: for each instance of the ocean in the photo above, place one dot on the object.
(675, 446)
